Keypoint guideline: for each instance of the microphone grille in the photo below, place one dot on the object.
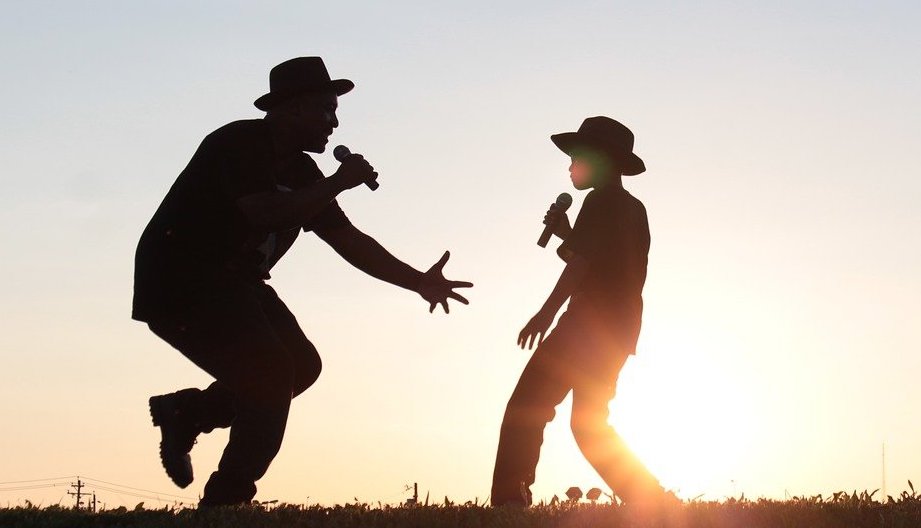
(563, 201)
(341, 152)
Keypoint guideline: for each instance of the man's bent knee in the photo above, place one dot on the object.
(268, 386)
(306, 375)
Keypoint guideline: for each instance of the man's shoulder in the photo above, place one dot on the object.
(241, 131)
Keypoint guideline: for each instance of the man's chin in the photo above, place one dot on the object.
(316, 148)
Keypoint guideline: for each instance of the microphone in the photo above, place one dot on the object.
(341, 152)
(563, 201)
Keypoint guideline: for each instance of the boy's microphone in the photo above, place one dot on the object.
(563, 201)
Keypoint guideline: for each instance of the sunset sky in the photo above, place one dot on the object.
(781, 344)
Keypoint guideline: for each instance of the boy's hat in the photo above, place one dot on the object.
(605, 135)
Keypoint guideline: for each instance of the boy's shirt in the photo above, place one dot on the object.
(611, 233)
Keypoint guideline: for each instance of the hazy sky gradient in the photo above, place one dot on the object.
(781, 344)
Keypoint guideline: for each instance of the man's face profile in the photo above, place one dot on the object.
(313, 119)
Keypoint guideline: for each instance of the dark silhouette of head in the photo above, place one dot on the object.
(601, 152)
(302, 102)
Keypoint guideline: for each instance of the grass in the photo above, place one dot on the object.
(839, 510)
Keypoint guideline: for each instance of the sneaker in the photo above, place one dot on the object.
(178, 432)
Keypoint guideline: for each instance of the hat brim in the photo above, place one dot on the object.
(339, 86)
(572, 141)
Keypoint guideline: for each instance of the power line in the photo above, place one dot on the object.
(133, 494)
(35, 486)
(37, 480)
(138, 489)
(87, 482)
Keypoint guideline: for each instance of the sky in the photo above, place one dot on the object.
(780, 348)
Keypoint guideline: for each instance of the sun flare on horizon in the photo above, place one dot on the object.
(685, 419)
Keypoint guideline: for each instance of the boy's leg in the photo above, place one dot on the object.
(605, 450)
(544, 383)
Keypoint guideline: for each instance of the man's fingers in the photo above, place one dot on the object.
(442, 261)
(457, 297)
(432, 307)
(459, 284)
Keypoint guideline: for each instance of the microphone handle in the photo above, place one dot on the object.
(545, 236)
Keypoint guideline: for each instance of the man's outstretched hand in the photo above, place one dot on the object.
(436, 289)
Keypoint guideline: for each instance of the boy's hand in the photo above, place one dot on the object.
(535, 329)
(558, 220)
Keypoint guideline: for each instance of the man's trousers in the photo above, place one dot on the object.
(247, 339)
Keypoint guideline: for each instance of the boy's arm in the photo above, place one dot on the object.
(570, 279)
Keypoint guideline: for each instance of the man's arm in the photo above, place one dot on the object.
(570, 279)
(277, 211)
(366, 254)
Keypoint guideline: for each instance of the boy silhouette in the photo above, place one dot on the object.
(606, 254)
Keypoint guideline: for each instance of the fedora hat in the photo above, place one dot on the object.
(605, 135)
(299, 76)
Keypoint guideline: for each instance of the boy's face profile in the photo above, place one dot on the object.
(580, 173)
(589, 169)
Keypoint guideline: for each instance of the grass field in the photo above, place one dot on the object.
(840, 510)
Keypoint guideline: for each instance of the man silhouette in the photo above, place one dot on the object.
(605, 253)
(202, 263)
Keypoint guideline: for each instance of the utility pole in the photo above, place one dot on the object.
(885, 495)
(94, 502)
(79, 486)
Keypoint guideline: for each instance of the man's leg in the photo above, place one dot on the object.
(234, 481)
(182, 415)
(235, 342)
(213, 408)
(543, 385)
(307, 363)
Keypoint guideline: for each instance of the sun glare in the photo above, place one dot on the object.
(685, 418)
